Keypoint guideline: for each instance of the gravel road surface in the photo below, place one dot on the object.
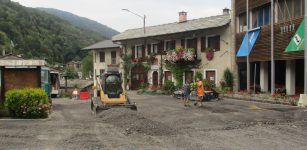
(161, 122)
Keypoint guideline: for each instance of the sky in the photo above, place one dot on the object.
(110, 13)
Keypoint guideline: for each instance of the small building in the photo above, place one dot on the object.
(17, 73)
(76, 66)
(105, 53)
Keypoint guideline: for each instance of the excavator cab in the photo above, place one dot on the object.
(112, 94)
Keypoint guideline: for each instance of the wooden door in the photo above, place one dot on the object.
(210, 76)
(188, 76)
(155, 78)
(138, 76)
(167, 76)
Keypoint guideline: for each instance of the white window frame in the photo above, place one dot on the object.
(165, 44)
(205, 75)
(136, 51)
(151, 48)
(207, 38)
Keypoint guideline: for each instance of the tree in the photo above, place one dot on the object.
(4, 41)
(87, 65)
(71, 73)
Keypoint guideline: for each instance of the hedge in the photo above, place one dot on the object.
(27, 103)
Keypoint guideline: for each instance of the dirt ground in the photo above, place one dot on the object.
(161, 122)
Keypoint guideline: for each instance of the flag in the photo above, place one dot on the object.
(297, 43)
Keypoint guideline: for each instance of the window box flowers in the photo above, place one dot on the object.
(181, 55)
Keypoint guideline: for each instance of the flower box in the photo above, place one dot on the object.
(181, 55)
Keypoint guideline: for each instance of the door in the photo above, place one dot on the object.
(210, 76)
(155, 78)
(188, 76)
(138, 76)
(167, 76)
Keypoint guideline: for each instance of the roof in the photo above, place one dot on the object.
(12, 60)
(102, 45)
(21, 63)
(171, 28)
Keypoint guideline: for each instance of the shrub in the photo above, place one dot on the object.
(143, 85)
(27, 103)
(228, 77)
(169, 86)
(198, 75)
(141, 91)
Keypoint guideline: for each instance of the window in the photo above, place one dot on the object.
(169, 45)
(261, 16)
(113, 57)
(138, 51)
(242, 22)
(191, 43)
(154, 48)
(289, 9)
(213, 42)
(102, 56)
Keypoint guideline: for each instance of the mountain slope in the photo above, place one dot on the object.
(82, 22)
(37, 34)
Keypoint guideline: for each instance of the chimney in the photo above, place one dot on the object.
(226, 11)
(182, 16)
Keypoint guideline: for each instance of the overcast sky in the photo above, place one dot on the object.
(110, 13)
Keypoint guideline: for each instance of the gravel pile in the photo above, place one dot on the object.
(132, 122)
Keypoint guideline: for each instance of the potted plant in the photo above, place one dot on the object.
(210, 53)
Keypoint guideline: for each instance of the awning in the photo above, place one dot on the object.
(298, 41)
(253, 35)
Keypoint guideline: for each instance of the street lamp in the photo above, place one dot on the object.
(142, 17)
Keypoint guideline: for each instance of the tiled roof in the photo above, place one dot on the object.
(102, 45)
(171, 28)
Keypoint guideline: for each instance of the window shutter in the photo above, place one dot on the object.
(195, 44)
(148, 49)
(203, 44)
(143, 51)
(183, 43)
(217, 38)
(133, 51)
(160, 47)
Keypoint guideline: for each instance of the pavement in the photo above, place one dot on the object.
(161, 122)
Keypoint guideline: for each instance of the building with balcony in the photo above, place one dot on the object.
(203, 34)
(289, 66)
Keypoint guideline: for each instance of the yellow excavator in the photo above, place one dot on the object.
(110, 92)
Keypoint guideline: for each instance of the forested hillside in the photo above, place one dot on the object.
(37, 34)
(83, 23)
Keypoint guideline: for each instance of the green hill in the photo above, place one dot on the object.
(37, 34)
(82, 22)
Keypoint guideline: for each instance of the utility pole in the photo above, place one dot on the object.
(248, 52)
(272, 50)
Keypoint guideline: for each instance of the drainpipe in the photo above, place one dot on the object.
(272, 50)
(247, 57)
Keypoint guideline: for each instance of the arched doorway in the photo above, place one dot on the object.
(155, 79)
(138, 76)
